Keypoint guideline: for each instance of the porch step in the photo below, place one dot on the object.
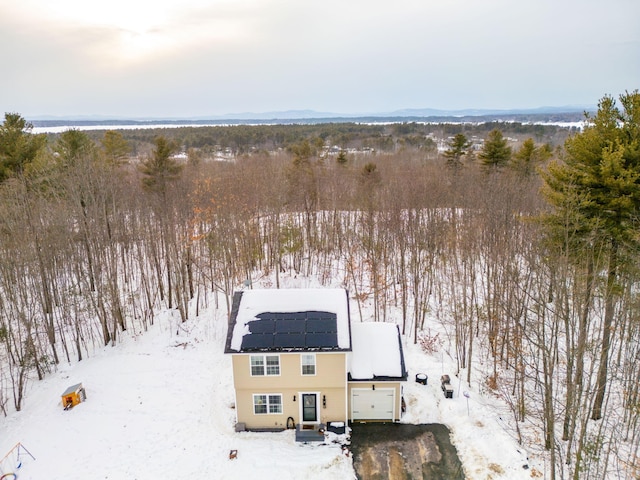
(316, 434)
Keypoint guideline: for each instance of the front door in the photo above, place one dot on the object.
(309, 407)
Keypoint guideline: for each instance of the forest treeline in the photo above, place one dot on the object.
(242, 139)
(525, 254)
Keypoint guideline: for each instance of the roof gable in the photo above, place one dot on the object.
(289, 320)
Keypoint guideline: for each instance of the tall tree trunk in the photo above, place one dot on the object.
(574, 387)
(609, 306)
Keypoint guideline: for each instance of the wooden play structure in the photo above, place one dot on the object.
(73, 395)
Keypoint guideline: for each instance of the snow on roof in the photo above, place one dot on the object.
(284, 300)
(72, 389)
(375, 351)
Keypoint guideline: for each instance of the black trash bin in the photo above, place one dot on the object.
(421, 378)
(336, 427)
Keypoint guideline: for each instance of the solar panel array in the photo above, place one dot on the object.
(292, 331)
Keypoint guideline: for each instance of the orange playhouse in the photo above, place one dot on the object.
(73, 395)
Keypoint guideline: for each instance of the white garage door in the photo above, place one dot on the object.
(367, 404)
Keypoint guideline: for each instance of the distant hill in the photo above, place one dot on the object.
(430, 112)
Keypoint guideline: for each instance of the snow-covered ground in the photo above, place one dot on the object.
(160, 406)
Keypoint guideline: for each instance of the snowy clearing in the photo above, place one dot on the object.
(160, 405)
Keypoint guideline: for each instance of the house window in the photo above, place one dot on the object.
(308, 362)
(265, 365)
(273, 365)
(267, 403)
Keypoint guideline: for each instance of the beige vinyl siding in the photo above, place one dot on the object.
(329, 381)
(330, 373)
(334, 411)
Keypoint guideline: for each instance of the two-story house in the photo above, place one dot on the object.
(297, 360)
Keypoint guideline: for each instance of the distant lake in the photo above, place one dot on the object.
(59, 127)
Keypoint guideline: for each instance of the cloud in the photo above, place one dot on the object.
(197, 57)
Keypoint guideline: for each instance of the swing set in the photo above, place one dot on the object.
(13, 459)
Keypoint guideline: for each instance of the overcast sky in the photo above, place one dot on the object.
(186, 58)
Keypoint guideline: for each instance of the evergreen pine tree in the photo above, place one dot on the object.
(18, 146)
(595, 199)
(495, 151)
(160, 168)
(458, 147)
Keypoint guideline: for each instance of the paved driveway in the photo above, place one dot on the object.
(400, 451)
